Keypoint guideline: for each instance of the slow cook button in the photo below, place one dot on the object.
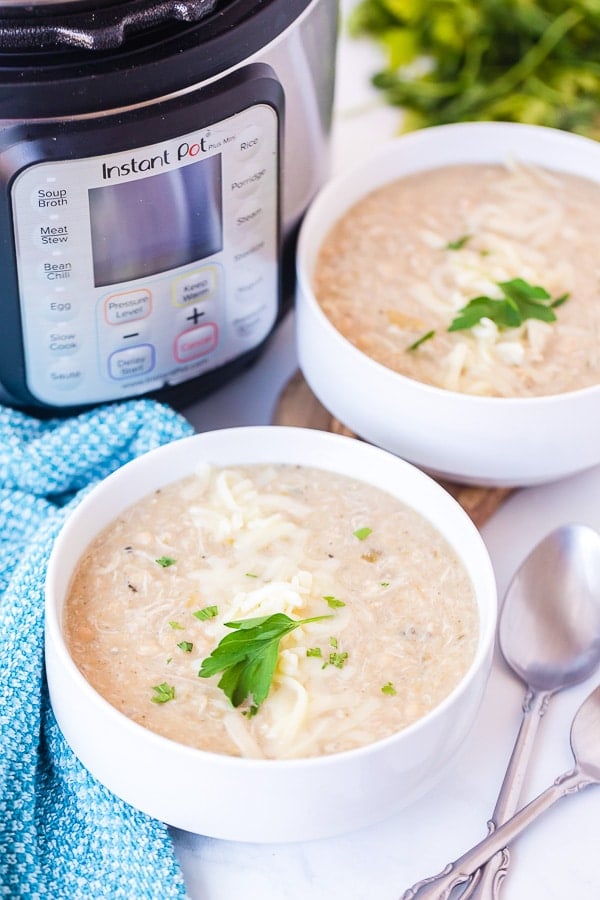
(65, 374)
(196, 342)
(63, 341)
(132, 362)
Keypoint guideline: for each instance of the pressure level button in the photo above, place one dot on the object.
(128, 306)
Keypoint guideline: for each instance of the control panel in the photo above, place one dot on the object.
(144, 268)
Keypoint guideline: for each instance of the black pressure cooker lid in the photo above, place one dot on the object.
(58, 63)
(99, 25)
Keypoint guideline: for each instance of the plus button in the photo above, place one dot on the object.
(195, 316)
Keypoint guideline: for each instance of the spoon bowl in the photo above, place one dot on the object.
(549, 631)
(584, 737)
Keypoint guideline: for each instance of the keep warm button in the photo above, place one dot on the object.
(196, 342)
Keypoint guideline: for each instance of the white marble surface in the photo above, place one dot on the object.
(558, 858)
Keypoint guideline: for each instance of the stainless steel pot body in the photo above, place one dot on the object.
(151, 192)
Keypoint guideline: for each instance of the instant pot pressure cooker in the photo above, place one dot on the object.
(156, 159)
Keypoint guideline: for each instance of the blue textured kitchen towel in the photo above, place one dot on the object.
(63, 835)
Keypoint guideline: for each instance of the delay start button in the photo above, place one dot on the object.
(132, 362)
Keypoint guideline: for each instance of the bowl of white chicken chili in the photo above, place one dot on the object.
(296, 626)
(448, 303)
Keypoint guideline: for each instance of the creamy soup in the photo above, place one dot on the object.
(151, 598)
(397, 269)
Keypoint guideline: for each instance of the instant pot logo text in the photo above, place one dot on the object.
(187, 150)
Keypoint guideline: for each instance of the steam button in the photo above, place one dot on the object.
(250, 214)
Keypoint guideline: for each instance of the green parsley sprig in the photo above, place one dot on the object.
(520, 301)
(248, 657)
(533, 61)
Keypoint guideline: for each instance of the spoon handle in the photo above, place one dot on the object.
(439, 887)
(490, 878)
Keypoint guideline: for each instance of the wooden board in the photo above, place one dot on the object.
(297, 405)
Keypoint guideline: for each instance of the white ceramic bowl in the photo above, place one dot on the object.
(263, 800)
(478, 440)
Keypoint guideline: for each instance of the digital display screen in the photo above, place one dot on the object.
(154, 224)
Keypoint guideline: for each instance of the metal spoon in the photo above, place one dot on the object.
(549, 634)
(586, 750)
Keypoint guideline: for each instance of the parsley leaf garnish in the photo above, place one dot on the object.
(186, 646)
(248, 656)
(163, 693)
(389, 689)
(333, 602)
(520, 301)
(362, 533)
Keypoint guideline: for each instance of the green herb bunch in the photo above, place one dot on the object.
(533, 61)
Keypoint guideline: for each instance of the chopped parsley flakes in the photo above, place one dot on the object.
(165, 561)
(208, 612)
(163, 693)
